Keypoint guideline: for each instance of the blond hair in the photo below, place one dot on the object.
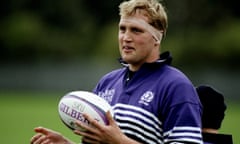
(155, 10)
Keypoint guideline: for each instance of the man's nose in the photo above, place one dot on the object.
(127, 36)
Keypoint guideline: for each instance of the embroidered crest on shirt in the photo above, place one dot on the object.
(107, 94)
(146, 98)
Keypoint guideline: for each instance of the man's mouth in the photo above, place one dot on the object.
(127, 48)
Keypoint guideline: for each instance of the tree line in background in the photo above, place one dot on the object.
(35, 31)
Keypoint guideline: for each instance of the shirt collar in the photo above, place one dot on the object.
(165, 58)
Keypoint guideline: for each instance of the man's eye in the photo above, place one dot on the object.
(136, 30)
(122, 29)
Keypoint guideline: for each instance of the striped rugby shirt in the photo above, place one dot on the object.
(158, 105)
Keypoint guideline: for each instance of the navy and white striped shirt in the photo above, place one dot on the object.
(158, 105)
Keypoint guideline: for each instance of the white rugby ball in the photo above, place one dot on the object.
(72, 106)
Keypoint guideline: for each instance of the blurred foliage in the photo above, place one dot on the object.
(218, 45)
(35, 31)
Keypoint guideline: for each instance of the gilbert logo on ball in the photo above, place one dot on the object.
(72, 106)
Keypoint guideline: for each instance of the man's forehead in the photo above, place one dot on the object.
(138, 21)
(141, 23)
(132, 22)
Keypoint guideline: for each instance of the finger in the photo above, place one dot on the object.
(110, 118)
(39, 139)
(86, 135)
(42, 130)
(88, 138)
(94, 124)
(35, 137)
(89, 141)
(47, 141)
(82, 126)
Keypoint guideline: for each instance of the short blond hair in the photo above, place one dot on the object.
(156, 12)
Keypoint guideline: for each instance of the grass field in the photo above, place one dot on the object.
(23, 111)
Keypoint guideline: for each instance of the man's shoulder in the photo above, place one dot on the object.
(174, 74)
(116, 73)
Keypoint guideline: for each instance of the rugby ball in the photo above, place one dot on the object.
(72, 106)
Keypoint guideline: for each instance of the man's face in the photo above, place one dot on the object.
(136, 44)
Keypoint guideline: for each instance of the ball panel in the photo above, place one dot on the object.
(92, 98)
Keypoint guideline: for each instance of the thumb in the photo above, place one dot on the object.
(42, 130)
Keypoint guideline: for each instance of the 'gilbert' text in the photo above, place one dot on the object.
(74, 112)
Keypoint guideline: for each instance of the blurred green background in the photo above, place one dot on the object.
(48, 48)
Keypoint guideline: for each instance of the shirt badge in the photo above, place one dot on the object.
(146, 98)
